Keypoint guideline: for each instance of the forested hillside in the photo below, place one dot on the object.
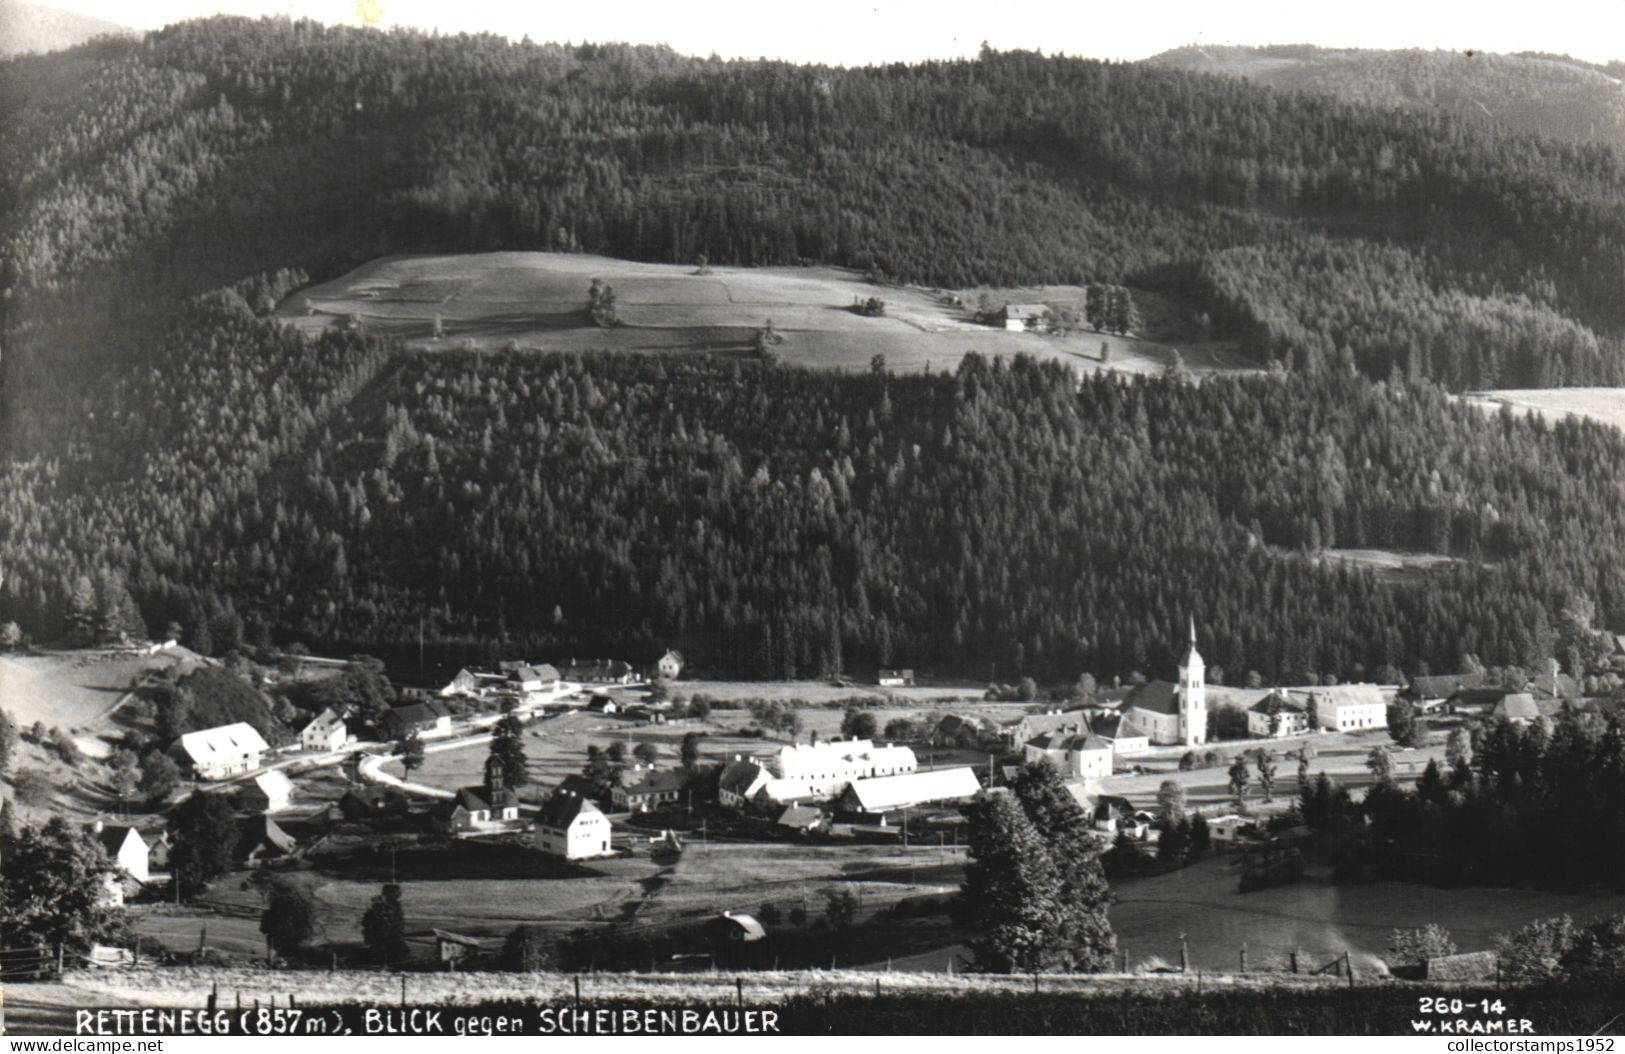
(1531, 93)
(158, 198)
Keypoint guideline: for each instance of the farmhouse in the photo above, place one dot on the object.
(1277, 715)
(428, 719)
(740, 781)
(669, 665)
(467, 682)
(1517, 707)
(829, 765)
(643, 788)
(1121, 732)
(884, 794)
(1345, 707)
(1429, 693)
(896, 678)
(527, 678)
(325, 733)
(218, 753)
(270, 791)
(1117, 815)
(1173, 714)
(600, 671)
(1079, 755)
(1020, 317)
(571, 827)
(445, 946)
(603, 704)
(1031, 726)
(126, 848)
(775, 794)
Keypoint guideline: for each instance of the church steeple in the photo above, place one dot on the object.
(1193, 694)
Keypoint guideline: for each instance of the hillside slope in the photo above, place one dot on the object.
(1549, 95)
(35, 28)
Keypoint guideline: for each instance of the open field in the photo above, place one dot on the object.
(1321, 920)
(77, 690)
(1606, 405)
(537, 301)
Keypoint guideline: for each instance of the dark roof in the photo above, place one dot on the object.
(579, 785)
(1277, 702)
(1157, 697)
(561, 809)
(738, 775)
(1072, 741)
(1443, 685)
(263, 832)
(113, 837)
(1478, 696)
(426, 712)
(441, 937)
(472, 799)
(654, 781)
(1115, 726)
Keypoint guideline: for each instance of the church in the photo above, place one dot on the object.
(1173, 714)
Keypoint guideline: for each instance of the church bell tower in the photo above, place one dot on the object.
(1193, 695)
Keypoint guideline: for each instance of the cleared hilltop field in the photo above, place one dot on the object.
(1606, 405)
(538, 300)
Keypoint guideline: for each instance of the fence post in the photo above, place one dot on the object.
(1244, 957)
(1348, 964)
(403, 989)
(1294, 960)
(578, 991)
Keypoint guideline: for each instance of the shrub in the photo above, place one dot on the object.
(527, 950)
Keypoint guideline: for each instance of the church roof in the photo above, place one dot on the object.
(1192, 656)
(1157, 697)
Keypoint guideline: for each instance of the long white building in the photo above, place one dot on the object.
(828, 767)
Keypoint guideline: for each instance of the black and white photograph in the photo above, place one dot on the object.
(872, 517)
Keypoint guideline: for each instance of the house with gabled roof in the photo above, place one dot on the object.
(1121, 732)
(1021, 317)
(881, 795)
(429, 718)
(831, 764)
(261, 839)
(1344, 707)
(220, 753)
(484, 807)
(571, 827)
(127, 848)
(670, 665)
(1277, 715)
(269, 791)
(643, 788)
(1074, 753)
(740, 780)
(325, 733)
(1517, 707)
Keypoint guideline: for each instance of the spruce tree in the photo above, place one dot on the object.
(1086, 940)
(1010, 901)
(508, 747)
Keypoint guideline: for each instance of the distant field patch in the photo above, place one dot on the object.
(77, 690)
(536, 301)
(1390, 565)
(1597, 404)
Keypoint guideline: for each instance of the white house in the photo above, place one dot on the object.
(428, 719)
(571, 827)
(1078, 755)
(902, 678)
(1278, 715)
(883, 794)
(669, 665)
(270, 791)
(218, 753)
(126, 848)
(1020, 317)
(830, 765)
(325, 733)
(1345, 707)
(1173, 714)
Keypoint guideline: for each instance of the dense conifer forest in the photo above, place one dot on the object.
(158, 197)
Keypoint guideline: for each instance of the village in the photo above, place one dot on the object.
(690, 819)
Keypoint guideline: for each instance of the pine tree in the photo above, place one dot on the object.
(1009, 901)
(383, 926)
(1085, 941)
(508, 747)
(205, 831)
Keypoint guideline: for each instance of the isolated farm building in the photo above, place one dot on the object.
(643, 788)
(219, 753)
(886, 794)
(1227, 828)
(1074, 753)
(600, 671)
(326, 732)
(801, 818)
(466, 682)
(1121, 732)
(571, 827)
(1344, 707)
(270, 791)
(261, 839)
(739, 782)
(1278, 715)
(1117, 815)
(1517, 707)
(896, 678)
(127, 848)
(669, 665)
(445, 946)
(1019, 317)
(735, 926)
(428, 719)
(832, 764)
(603, 704)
